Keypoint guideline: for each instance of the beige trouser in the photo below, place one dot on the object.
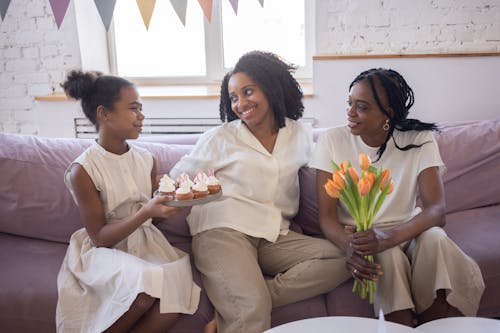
(414, 271)
(232, 265)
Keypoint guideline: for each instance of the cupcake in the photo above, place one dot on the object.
(167, 186)
(184, 178)
(200, 190)
(184, 192)
(213, 184)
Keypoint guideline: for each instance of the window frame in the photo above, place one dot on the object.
(214, 52)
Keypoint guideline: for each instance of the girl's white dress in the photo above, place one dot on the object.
(96, 286)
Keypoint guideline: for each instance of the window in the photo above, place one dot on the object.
(201, 51)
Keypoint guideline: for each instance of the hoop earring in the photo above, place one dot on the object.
(386, 125)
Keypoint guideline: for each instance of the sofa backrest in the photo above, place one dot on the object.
(471, 153)
(34, 201)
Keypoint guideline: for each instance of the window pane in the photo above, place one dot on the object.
(162, 50)
(279, 27)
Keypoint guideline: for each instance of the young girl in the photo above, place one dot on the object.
(119, 274)
(423, 270)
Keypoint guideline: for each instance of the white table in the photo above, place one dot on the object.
(462, 325)
(370, 325)
(340, 325)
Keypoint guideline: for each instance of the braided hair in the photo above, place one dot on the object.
(273, 76)
(400, 97)
(94, 89)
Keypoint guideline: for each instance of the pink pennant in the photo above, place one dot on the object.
(59, 8)
(234, 4)
(206, 6)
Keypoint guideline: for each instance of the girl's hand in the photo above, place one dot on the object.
(157, 209)
(372, 241)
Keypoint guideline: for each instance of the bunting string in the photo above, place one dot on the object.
(146, 8)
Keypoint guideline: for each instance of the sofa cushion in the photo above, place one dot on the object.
(476, 232)
(34, 202)
(307, 216)
(28, 295)
(471, 153)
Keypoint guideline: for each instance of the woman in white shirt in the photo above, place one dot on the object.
(256, 155)
(425, 274)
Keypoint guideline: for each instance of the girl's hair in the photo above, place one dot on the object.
(273, 76)
(94, 89)
(400, 97)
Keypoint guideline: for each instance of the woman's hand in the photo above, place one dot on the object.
(372, 241)
(361, 268)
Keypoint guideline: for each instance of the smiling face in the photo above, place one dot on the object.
(125, 120)
(249, 102)
(364, 115)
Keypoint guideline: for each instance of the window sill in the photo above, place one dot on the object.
(175, 92)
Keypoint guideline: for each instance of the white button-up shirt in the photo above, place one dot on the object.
(260, 189)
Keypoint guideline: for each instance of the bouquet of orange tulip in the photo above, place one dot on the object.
(362, 194)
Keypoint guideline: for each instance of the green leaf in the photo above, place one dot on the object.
(335, 166)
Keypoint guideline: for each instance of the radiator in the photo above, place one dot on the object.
(160, 126)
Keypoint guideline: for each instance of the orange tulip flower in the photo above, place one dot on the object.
(384, 178)
(338, 180)
(391, 187)
(364, 161)
(364, 186)
(371, 177)
(331, 190)
(354, 174)
(343, 167)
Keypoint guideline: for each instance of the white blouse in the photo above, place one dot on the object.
(338, 144)
(260, 189)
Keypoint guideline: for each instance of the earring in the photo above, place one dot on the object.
(386, 125)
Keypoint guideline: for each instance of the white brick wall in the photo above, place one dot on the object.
(34, 56)
(407, 26)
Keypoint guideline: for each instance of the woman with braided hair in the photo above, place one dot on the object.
(256, 154)
(421, 274)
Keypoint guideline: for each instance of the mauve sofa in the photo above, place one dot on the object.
(38, 215)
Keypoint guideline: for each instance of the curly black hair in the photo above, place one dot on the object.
(274, 76)
(94, 89)
(400, 97)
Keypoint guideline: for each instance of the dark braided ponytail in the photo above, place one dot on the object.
(400, 98)
(273, 76)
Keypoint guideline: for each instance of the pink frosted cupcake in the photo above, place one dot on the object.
(167, 186)
(213, 184)
(184, 192)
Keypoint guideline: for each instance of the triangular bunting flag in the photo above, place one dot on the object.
(261, 3)
(4, 5)
(105, 8)
(59, 8)
(234, 4)
(206, 5)
(146, 7)
(180, 8)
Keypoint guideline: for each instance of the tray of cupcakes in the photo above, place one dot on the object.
(186, 192)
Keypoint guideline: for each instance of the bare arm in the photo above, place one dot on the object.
(92, 211)
(431, 193)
